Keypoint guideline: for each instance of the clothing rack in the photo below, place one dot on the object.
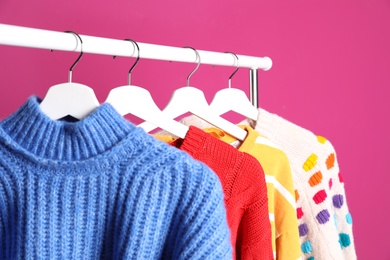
(62, 41)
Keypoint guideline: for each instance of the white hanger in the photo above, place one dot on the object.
(138, 101)
(233, 99)
(74, 99)
(190, 99)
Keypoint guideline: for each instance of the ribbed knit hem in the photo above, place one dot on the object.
(36, 136)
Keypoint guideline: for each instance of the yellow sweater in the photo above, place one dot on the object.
(280, 190)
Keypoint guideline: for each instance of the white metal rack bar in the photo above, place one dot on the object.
(254, 89)
(46, 39)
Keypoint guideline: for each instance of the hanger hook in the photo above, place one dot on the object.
(197, 59)
(136, 61)
(81, 54)
(236, 60)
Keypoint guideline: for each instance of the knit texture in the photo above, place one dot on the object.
(100, 188)
(325, 223)
(280, 190)
(245, 192)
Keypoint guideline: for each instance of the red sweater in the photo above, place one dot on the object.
(245, 192)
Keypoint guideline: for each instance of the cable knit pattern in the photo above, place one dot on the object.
(243, 183)
(100, 188)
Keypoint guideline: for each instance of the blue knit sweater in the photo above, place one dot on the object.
(101, 188)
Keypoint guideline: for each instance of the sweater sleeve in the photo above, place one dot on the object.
(342, 215)
(256, 245)
(200, 229)
(254, 231)
(325, 223)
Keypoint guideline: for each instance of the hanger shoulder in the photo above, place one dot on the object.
(190, 99)
(182, 101)
(233, 99)
(74, 99)
(139, 102)
(224, 125)
(126, 99)
(196, 103)
(185, 99)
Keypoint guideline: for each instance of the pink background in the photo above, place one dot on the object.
(331, 72)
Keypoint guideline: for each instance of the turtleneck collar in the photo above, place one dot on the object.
(32, 130)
